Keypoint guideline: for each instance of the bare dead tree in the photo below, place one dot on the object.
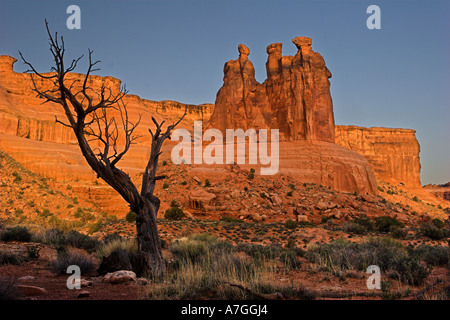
(99, 134)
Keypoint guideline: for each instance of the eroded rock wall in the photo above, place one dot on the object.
(392, 153)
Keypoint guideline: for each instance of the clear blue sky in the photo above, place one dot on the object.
(394, 77)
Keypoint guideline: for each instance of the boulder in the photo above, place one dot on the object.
(119, 277)
(30, 291)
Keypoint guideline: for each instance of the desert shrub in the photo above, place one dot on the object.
(438, 223)
(81, 241)
(65, 259)
(60, 238)
(54, 237)
(8, 258)
(430, 230)
(207, 183)
(202, 266)
(174, 204)
(258, 251)
(410, 271)
(386, 253)
(433, 255)
(363, 220)
(228, 219)
(45, 213)
(95, 227)
(355, 228)
(8, 289)
(127, 245)
(17, 177)
(290, 260)
(15, 234)
(291, 243)
(165, 185)
(398, 233)
(174, 213)
(131, 217)
(290, 224)
(112, 237)
(184, 183)
(384, 224)
(251, 175)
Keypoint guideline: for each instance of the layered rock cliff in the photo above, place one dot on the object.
(392, 153)
(23, 114)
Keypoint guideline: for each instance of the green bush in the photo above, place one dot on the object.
(433, 255)
(438, 223)
(174, 213)
(384, 224)
(388, 254)
(228, 219)
(15, 234)
(165, 185)
(430, 230)
(290, 224)
(59, 238)
(398, 233)
(174, 204)
(355, 228)
(128, 245)
(95, 227)
(131, 217)
(17, 177)
(363, 220)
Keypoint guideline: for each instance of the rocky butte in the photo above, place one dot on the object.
(295, 99)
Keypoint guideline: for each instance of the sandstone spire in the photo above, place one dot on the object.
(295, 98)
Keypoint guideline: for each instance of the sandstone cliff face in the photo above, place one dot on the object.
(298, 91)
(392, 153)
(241, 102)
(295, 98)
(23, 114)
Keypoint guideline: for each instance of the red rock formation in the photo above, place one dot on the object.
(240, 101)
(295, 98)
(23, 114)
(299, 93)
(392, 153)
